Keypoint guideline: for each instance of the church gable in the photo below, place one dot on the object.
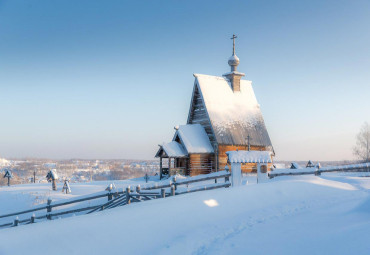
(198, 113)
(233, 115)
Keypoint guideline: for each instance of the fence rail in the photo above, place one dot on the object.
(120, 198)
(364, 167)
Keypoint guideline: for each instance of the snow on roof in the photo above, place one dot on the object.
(194, 138)
(233, 115)
(249, 156)
(295, 165)
(52, 174)
(174, 149)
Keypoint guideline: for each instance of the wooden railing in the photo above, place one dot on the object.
(49, 209)
(364, 167)
(123, 197)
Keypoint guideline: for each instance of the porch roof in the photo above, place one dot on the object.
(171, 150)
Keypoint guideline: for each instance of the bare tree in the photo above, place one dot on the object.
(362, 148)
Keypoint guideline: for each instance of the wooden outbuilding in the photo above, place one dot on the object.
(225, 110)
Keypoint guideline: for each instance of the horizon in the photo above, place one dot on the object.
(111, 80)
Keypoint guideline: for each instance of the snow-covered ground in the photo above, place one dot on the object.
(328, 214)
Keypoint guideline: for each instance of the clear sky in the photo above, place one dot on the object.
(110, 79)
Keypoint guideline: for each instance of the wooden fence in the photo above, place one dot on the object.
(364, 167)
(121, 198)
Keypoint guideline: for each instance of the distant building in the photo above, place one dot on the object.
(224, 115)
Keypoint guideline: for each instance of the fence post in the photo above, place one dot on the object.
(16, 221)
(138, 189)
(33, 218)
(227, 171)
(128, 195)
(163, 193)
(48, 208)
(174, 182)
(173, 193)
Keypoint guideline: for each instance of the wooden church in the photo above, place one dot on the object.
(224, 115)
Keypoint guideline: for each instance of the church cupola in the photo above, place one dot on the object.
(234, 76)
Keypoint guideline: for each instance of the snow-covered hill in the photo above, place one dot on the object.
(291, 215)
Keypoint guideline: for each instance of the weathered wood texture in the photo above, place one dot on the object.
(201, 164)
(246, 168)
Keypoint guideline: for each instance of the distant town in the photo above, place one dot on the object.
(87, 170)
(76, 170)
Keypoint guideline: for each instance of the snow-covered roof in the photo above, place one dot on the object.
(194, 138)
(172, 149)
(52, 174)
(249, 156)
(233, 115)
(295, 165)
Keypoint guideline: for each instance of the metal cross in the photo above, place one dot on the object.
(234, 36)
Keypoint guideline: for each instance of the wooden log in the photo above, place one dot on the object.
(163, 193)
(128, 195)
(156, 187)
(205, 178)
(82, 199)
(7, 225)
(134, 199)
(223, 185)
(72, 211)
(23, 212)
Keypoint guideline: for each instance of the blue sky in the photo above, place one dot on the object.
(110, 79)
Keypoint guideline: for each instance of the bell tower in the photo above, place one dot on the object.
(234, 76)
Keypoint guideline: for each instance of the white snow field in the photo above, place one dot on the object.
(328, 214)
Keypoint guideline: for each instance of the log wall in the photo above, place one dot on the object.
(201, 164)
(246, 168)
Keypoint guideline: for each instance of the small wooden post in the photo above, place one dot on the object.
(138, 189)
(163, 193)
(215, 180)
(54, 184)
(173, 192)
(174, 182)
(128, 195)
(227, 179)
(16, 221)
(33, 218)
(49, 208)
